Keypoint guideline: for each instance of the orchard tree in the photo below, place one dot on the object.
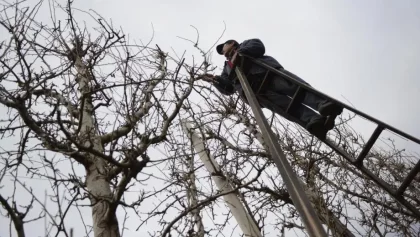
(88, 96)
(346, 201)
(98, 118)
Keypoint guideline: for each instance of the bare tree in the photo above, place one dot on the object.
(88, 96)
(95, 118)
(346, 201)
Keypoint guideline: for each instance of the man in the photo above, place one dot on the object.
(274, 92)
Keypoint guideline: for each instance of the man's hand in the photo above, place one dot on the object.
(235, 58)
(230, 53)
(207, 77)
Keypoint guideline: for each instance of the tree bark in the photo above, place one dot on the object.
(245, 221)
(17, 221)
(192, 198)
(105, 222)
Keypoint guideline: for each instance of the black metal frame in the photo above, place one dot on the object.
(358, 162)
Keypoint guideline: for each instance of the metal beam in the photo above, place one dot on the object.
(296, 99)
(397, 194)
(368, 145)
(409, 179)
(385, 186)
(313, 90)
(301, 201)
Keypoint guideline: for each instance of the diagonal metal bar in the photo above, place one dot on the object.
(297, 99)
(396, 194)
(313, 90)
(368, 145)
(301, 201)
(409, 178)
(263, 81)
(385, 186)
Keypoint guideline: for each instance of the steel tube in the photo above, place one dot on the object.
(368, 145)
(385, 186)
(411, 175)
(311, 89)
(300, 200)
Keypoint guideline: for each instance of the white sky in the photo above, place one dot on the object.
(365, 51)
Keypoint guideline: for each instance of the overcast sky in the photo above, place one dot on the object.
(366, 52)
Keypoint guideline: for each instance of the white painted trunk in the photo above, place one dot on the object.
(192, 198)
(245, 221)
(105, 223)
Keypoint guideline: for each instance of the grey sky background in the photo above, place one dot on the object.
(365, 52)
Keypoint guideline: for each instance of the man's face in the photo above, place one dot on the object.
(227, 48)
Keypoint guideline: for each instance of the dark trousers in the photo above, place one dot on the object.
(276, 93)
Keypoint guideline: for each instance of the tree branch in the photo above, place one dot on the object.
(132, 121)
(15, 215)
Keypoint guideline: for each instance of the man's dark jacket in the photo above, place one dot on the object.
(276, 91)
(227, 83)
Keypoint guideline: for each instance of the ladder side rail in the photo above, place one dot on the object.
(380, 125)
(368, 145)
(409, 178)
(296, 99)
(315, 91)
(297, 193)
(397, 195)
(381, 183)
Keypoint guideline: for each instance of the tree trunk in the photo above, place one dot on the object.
(244, 219)
(192, 198)
(105, 223)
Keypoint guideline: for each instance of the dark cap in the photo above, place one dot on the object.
(220, 46)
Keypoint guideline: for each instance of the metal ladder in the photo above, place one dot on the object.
(302, 203)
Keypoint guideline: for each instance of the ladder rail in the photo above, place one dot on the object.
(409, 178)
(295, 189)
(358, 163)
(296, 99)
(380, 125)
(375, 135)
(315, 91)
(380, 182)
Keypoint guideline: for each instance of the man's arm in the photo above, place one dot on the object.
(252, 47)
(223, 84)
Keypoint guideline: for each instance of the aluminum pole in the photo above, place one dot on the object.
(297, 193)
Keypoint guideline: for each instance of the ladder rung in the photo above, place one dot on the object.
(385, 186)
(296, 99)
(368, 145)
(302, 87)
(408, 179)
(316, 92)
(263, 81)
